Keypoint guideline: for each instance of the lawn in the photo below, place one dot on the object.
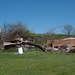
(36, 63)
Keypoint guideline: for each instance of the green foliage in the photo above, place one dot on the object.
(42, 38)
(37, 63)
(17, 30)
(57, 36)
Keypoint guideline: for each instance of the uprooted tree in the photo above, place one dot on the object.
(12, 31)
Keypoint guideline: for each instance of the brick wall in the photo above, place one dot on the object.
(57, 43)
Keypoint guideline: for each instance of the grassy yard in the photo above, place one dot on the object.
(37, 63)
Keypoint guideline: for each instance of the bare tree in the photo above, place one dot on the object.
(68, 29)
(11, 31)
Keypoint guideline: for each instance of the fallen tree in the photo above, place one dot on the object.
(16, 44)
(32, 44)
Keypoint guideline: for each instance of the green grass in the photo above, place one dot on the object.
(37, 63)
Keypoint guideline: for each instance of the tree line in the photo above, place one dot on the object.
(10, 31)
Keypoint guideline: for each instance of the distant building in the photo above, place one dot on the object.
(59, 42)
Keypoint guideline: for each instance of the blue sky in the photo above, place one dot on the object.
(40, 15)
